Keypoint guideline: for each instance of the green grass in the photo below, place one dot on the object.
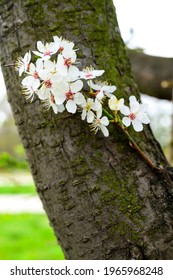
(27, 237)
(17, 189)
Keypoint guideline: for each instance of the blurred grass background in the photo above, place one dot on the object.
(27, 237)
(23, 236)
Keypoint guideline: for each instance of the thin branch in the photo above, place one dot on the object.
(133, 144)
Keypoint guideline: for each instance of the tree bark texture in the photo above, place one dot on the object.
(101, 198)
(153, 74)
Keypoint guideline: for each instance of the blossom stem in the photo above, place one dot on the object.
(141, 153)
(134, 144)
(108, 114)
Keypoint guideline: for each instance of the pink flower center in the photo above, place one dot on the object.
(36, 76)
(48, 84)
(61, 49)
(67, 62)
(47, 53)
(89, 75)
(69, 95)
(132, 116)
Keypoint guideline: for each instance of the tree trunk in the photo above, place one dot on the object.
(102, 199)
(153, 74)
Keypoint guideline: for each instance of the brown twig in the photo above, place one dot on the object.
(141, 153)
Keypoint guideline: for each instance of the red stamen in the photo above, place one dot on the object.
(70, 95)
(67, 62)
(132, 116)
(36, 76)
(89, 75)
(61, 49)
(48, 83)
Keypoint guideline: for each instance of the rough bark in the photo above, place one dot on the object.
(101, 198)
(153, 74)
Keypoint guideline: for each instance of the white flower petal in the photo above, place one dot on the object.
(27, 57)
(104, 130)
(71, 106)
(21, 70)
(39, 64)
(28, 81)
(35, 84)
(100, 95)
(45, 74)
(104, 121)
(112, 103)
(94, 86)
(109, 89)
(59, 98)
(99, 113)
(98, 72)
(38, 53)
(134, 107)
(73, 73)
(56, 39)
(54, 47)
(79, 98)
(83, 114)
(49, 65)
(126, 121)
(137, 125)
(132, 99)
(125, 110)
(143, 118)
(90, 117)
(43, 94)
(41, 47)
(32, 68)
(68, 52)
(76, 86)
(55, 108)
(62, 69)
(61, 108)
(96, 106)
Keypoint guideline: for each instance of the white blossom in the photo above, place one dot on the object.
(100, 123)
(50, 103)
(89, 73)
(65, 63)
(88, 107)
(102, 89)
(22, 64)
(63, 43)
(47, 50)
(135, 114)
(70, 92)
(115, 104)
(56, 80)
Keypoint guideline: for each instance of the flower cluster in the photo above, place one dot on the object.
(56, 80)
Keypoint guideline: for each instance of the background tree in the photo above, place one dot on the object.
(153, 74)
(102, 199)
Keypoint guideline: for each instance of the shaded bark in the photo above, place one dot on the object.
(154, 75)
(101, 198)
